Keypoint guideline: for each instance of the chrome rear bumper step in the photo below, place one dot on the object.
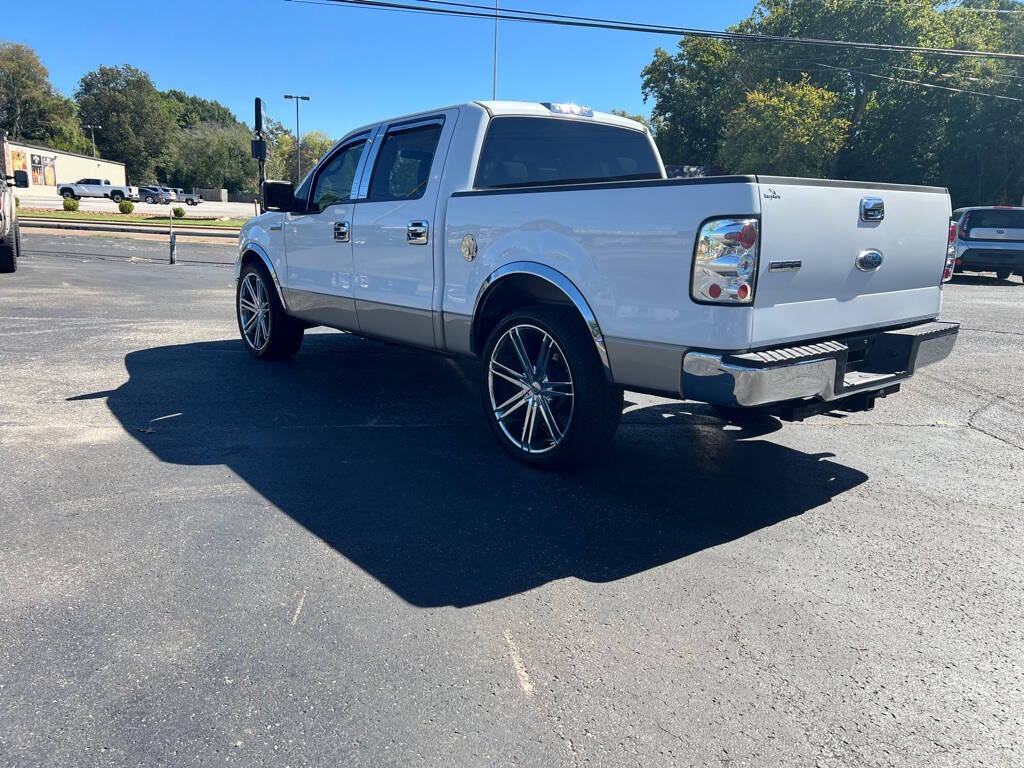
(828, 370)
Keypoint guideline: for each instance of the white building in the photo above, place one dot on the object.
(47, 168)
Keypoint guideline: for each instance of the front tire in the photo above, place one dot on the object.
(149, 199)
(544, 390)
(268, 332)
(10, 250)
(67, 194)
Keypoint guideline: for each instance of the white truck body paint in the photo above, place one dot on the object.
(627, 247)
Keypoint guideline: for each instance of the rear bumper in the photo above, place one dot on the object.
(992, 259)
(826, 370)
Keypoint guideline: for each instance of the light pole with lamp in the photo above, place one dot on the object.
(298, 142)
(92, 132)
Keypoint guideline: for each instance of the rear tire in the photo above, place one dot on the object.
(267, 331)
(10, 250)
(117, 197)
(544, 390)
(1003, 274)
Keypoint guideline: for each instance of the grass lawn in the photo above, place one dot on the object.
(97, 217)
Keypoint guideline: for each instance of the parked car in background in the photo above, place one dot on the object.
(990, 239)
(96, 188)
(546, 240)
(172, 196)
(153, 195)
(191, 198)
(10, 234)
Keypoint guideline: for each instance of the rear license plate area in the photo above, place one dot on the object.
(873, 357)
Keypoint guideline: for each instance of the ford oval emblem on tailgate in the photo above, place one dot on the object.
(868, 261)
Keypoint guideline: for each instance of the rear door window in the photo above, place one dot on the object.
(531, 151)
(403, 165)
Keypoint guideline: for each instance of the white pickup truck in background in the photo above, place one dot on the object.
(545, 240)
(97, 188)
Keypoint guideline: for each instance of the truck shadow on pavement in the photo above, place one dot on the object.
(382, 453)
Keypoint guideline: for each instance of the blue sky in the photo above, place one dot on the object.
(358, 65)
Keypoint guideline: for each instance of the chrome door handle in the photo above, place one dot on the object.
(341, 231)
(416, 234)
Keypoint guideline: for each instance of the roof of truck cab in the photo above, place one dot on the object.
(537, 109)
(510, 108)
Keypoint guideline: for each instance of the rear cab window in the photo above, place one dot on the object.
(535, 151)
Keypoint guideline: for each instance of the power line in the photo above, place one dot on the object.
(471, 10)
(922, 84)
(966, 9)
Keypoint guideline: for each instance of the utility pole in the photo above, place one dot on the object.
(494, 85)
(92, 131)
(298, 137)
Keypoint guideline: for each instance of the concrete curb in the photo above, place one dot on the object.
(144, 229)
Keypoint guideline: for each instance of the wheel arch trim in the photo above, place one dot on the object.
(255, 248)
(557, 279)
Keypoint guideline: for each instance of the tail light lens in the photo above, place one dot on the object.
(963, 226)
(725, 261)
(947, 270)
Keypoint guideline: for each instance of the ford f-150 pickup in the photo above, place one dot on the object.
(546, 240)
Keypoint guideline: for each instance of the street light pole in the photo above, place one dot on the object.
(92, 132)
(494, 84)
(298, 136)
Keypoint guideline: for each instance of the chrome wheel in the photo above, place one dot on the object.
(254, 312)
(531, 389)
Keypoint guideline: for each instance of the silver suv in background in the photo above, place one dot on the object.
(990, 239)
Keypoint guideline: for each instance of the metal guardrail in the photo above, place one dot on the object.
(145, 229)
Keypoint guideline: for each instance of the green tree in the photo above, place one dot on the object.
(139, 126)
(693, 92)
(213, 155)
(280, 147)
(191, 110)
(281, 152)
(639, 118)
(30, 108)
(788, 129)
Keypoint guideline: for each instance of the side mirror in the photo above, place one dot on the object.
(278, 196)
(21, 179)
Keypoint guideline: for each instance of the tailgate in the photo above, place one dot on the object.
(825, 271)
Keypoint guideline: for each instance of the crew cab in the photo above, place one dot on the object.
(97, 188)
(545, 240)
(990, 239)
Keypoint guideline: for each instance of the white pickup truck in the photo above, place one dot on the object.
(97, 188)
(545, 240)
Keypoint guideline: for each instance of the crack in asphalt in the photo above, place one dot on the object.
(978, 411)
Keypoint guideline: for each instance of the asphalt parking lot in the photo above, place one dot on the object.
(207, 559)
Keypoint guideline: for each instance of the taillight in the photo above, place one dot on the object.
(725, 261)
(947, 269)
